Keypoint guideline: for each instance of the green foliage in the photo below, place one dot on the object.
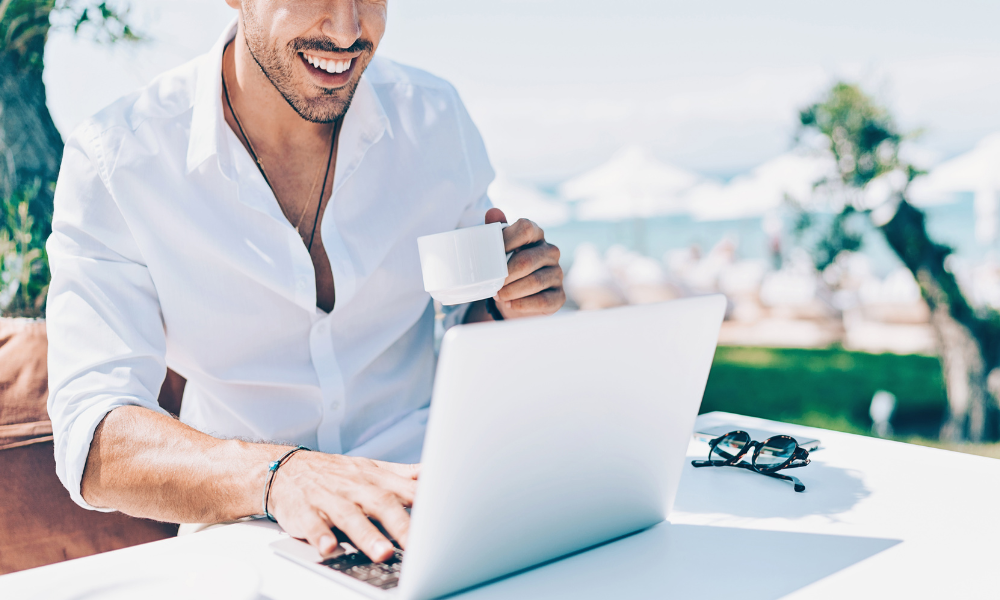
(844, 235)
(827, 236)
(25, 215)
(832, 389)
(25, 24)
(864, 139)
(829, 388)
(24, 272)
(107, 23)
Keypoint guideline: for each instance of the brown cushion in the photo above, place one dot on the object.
(39, 523)
(24, 382)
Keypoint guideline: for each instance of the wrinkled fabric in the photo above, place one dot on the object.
(168, 249)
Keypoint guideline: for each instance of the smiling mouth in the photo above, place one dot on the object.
(328, 65)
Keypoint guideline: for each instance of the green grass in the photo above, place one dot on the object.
(988, 450)
(832, 389)
(829, 388)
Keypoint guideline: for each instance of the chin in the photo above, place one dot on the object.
(321, 104)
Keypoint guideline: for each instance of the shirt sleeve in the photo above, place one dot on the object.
(481, 174)
(480, 171)
(106, 337)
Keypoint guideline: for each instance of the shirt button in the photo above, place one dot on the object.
(334, 405)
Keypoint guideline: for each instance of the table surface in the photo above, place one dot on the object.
(878, 519)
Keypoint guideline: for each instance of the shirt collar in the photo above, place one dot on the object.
(207, 135)
(364, 123)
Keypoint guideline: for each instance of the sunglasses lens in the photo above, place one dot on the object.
(775, 452)
(731, 445)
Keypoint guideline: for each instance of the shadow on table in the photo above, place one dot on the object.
(689, 561)
(743, 493)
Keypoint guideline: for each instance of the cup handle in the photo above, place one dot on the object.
(502, 227)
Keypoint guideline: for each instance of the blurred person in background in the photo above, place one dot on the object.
(249, 220)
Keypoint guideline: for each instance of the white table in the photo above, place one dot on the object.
(879, 519)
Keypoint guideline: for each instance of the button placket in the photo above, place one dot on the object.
(355, 139)
(331, 385)
(304, 274)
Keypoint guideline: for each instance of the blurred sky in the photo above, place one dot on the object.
(557, 86)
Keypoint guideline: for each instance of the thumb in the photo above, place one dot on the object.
(495, 215)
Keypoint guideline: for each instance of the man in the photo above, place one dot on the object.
(249, 220)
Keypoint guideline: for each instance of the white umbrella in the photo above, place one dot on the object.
(763, 189)
(521, 201)
(633, 184)
(976, 171)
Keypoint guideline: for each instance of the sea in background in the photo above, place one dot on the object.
(951, 224)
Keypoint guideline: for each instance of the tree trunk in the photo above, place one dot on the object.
(963, 368)
(967, 343)
(30, 145)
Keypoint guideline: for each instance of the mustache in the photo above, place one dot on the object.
(325, 45)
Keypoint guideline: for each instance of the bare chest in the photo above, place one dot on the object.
(302, 184)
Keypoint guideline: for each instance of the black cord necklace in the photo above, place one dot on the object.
(260, 165)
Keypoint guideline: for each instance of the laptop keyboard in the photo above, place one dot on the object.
(384, 575)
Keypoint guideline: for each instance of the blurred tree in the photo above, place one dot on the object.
(30, 144)
(24, 274)
(873, 180)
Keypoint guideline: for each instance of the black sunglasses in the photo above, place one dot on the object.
(769, 457)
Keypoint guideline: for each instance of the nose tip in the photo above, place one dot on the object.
(342, 25)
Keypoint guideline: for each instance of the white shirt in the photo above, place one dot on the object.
(168, 249)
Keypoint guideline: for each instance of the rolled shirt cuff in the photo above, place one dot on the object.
(71, 462)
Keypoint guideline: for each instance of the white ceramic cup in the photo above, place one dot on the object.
(464, 265)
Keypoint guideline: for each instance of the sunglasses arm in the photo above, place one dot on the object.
(796, 465)
(799, 459)
(799, 487)
(795, 481)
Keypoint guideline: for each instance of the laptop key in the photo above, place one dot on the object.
(383, 575)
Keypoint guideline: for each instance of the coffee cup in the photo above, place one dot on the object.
(464, 265)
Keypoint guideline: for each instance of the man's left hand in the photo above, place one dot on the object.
(534, 284)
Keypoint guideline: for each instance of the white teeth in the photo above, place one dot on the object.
(330, 66)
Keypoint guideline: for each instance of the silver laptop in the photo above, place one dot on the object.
(546, 436)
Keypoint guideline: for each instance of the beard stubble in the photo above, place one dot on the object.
(277, 64)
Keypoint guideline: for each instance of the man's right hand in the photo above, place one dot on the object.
(314, 492)
(178, 474)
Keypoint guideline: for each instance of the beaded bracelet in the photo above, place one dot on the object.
(272, 469)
